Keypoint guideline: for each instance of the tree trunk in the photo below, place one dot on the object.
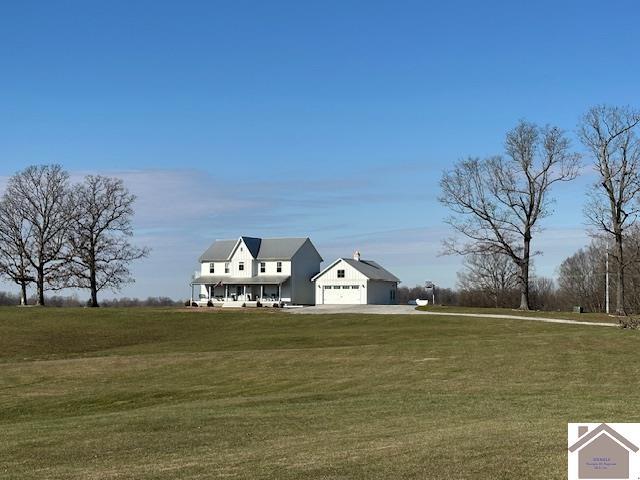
(40, 287)
(23, 292)
(524, 273)
(524, 287)
(620, 310)
(94, 288)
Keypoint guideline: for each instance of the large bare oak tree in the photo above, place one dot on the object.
(497, 202)
(98, 238)
(609, 135)
(15, 233)
(38, 197)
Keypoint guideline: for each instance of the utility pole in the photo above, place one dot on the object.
(432, 286)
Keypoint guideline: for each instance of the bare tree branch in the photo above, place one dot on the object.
(99, 250)
(494, 274)
(609, 133)
(37, 199)
(497, 202)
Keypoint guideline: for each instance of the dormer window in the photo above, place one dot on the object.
(340, 273)
(241, 266)
(279, 267)
(226, 267)
(212, 268)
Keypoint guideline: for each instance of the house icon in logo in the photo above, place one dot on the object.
(602, 453)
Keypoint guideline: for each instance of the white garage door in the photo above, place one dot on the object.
(342, 294)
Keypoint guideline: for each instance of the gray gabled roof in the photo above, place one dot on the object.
(370, 269)
(603, 427)
(219, 250)
(280, 248)
(260, 248)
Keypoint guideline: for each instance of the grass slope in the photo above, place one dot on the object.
(162, 394)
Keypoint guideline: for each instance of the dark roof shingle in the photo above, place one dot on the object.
(260, 248)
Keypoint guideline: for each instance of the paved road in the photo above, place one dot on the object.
(411, 310)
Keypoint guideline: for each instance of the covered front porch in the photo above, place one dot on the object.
(250, 290)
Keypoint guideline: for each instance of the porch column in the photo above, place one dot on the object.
(279, 291)
(210, 291)
(244, 292)
(191, 300)
(261, 292)
(226, 292)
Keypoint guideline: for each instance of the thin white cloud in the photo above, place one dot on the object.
(180, 212)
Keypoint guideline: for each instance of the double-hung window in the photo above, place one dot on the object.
(279, 267)
(263, 267)
(212, 268)
(241, 266)
(226, 267)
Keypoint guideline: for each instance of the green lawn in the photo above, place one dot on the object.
(165, 394)
(583, 317)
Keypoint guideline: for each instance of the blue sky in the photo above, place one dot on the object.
(327, 119)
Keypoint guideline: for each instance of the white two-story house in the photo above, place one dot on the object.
(252, 269)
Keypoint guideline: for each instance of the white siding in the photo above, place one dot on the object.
(305, 264)
(242, 254)
(370, 291)
(330, 278)
(271, 267)
(218, 268)
(379, 292)
(204, 268)
(350, 273)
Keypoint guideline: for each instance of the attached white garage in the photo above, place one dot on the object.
(354, 281)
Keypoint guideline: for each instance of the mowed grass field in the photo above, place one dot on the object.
(167, 394)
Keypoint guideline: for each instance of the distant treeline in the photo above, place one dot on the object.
(544, 295)
(10, 299)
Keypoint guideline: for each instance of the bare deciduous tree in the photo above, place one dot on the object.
(609, 134)
(494, 274)
(631, 244)
(581, 277)
(14, 235)
(98, 239)
(38, 196)
(497, 202)
(544, 294)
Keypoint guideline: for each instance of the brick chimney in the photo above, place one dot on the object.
(582, 429)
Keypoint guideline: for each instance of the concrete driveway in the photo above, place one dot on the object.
(378, 309)
(411, 310)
